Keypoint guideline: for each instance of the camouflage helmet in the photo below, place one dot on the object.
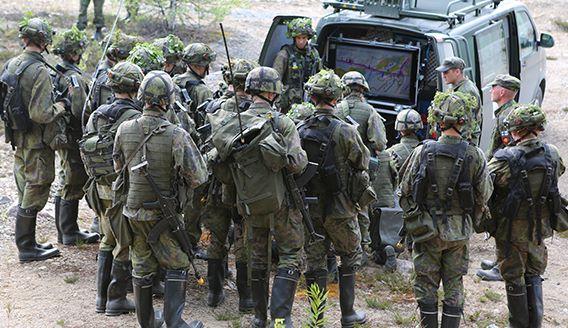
(120, 45)
(408, 119)
(299, 112)
(71, 42)
(199, 54)
(172, 48)
(147, 56)
(124, 77)
(354, 77)
(451, 108)
(263, 79)
(525, 117)
(157, 89)
(241, 68)
(37, 30)
(325, 85)
(300, 26)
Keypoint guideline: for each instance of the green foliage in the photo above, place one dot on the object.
(318, 306)
(71, 279)
(147, 56)
(227, 316)
(395, 282)
(376, 303)
(405, 321)
(562, 24)
(491, 295)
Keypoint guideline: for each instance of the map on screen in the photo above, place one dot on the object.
(388, 72)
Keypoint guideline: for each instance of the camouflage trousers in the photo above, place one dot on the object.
(286, 227)
(344, 234)
(34, 170)
(218, 219)
(98, 21)
(115, 231)
(523, 259)
(71, 175)
(436, 260)
(193, 213)
(148, 258)
(364, 224)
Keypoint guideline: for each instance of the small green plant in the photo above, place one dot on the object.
(395, 282)
(227, 316)
(318, 307)
(71, 279)
(81, 244)
(375, 303)
(492, 295)
(405, 321)
(9, 308)
(60, 322)
(42, 239)
(562, 24)
(235, 323)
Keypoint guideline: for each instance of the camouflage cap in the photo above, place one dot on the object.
(325, 84)
(451, 108)
(157, 89)
(172, 48)
(120, 45)
(263, 79)
(70, 42)
(525, 117)
(241, 68)
(300, 26)
(355, 78)
(36, 29)
(147, 56)
(124, 77)
(408, 119)
(507, 81)
(199, 54)
(451, 63)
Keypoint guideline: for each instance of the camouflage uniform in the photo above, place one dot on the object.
(98, 20)
(299, 112)
(402, 150)
(172, 48)
(442, 252)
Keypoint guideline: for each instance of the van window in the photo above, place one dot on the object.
(492, 51)
(527, 37)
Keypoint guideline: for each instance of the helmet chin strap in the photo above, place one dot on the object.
(271, 102)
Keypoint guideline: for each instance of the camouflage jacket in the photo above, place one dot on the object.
(101, 94)
(502, 172)
(402, 150)
(468, 87)
(500, 115)
(455, 228)
(195, 86)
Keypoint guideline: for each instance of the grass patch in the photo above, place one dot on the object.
(375, 303)
(395, 282)
(565, 233)
(71, 279)
(405, 321)
(60, 322)
(492, 295)
(227, 316)
(562, 24)
(235, 323)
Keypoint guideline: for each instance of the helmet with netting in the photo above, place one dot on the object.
(263, 79)
(525, 117)
(199, 54)
(157, 89)
(120, 45)
(147, 56)
(408, 119)
(70, 42)
(124, 77)
(241, 68)
(355, 78)
(300, 26)
(451, 108)
(325, 85)
(37, 30)
(299, 112)
(172, 48)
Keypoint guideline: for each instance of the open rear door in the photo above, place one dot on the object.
(275, 39)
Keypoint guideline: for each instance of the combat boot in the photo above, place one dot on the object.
(71, 235)
(318, 277)
(215, 276)
(428, 315)
(246, 304)
(44, 246)
(143, 300)
(174, 300)
(488, 264)
(98, 36)
(117, 302)
(451, 316)
(259, 287)
(104, 265)
(282, 299)
(534, 300)
(518, 306)
(95, 225)
(57, 203)
(349, 317)
(28, 249)
(158, 286)
(493, 274)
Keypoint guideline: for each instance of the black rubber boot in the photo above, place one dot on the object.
(534, 300)
(428, 315)
(174, 300)
(158, 286)
(143, 300)
(98, 36)
(349, 317)
(282, 297)
(493, 274)
(71, 235)
(451, 316)
(104, 265)
(117, 302)
(44, 246)
(259, 287)
(215, 277)
(332, 268)
(518, 305)
(390, 263)
(488, 264)
(95, 225)
(28, 249)
(318, 277)
(57, 213)
(246, 304)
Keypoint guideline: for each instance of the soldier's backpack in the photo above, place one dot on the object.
(254, 159)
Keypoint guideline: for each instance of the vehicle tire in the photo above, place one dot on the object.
(538, 97)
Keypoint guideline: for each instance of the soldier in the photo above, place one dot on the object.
(296, 62)
(172, 48)
(452, 71)
(72, 176)
(99, 19)
(177, 166)
(443, 191)
(113, 270)
(299, 112)
(30, 120)
(408, 122)
(340, 185)
(526, 204)
(503, 92)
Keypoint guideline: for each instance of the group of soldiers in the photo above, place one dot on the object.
(289, 161)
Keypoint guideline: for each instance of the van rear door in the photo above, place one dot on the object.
(275, 39)
(531, 58)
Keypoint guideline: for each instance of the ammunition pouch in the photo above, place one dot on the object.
(420, 225)
(273, 152)
(359, 189)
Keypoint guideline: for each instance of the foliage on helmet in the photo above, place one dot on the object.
(325, 84)
(263, 79)
(124, 77)
(36, 29)
(299, 112)
(157, 90)
(300, 26)
(147, 56)
(172, 47)
(70, 42)
(408, 119)
(355, 78)
(525, 117)
(199, 54)
(241, 68)
(451, 108)
(121, 45)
